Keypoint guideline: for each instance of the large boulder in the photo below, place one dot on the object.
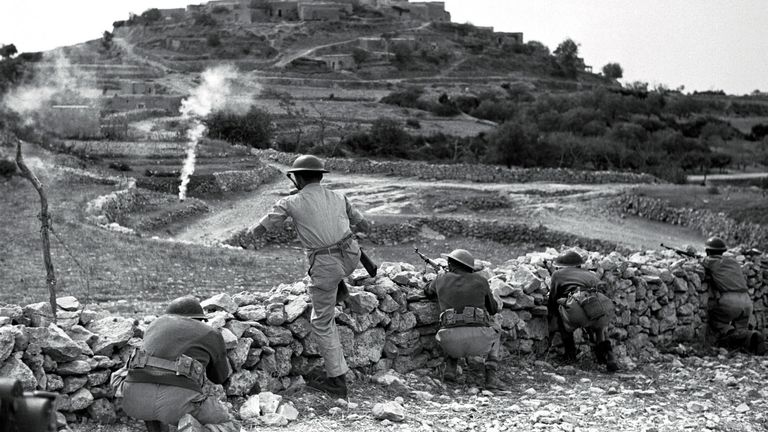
(16, 369)
(252, 313)
(296, 308)
(54, 342)
(102, 411)
(113, 332)
(68, 303)
(38, 314)
(426, 312)
(392, 411)
(362, 302)
(363, 349)
(7, 341)
(242, 383)
(219, 302)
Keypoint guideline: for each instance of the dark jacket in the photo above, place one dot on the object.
(566, 281)
(170, 336)
(455, 290)
(725, 272)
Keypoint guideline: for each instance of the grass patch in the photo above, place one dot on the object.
(743, 205)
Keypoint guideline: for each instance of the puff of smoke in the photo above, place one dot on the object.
(54, 79)
(221, 89)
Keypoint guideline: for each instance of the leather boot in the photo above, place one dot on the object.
(492, 381)
(757, 344)
(606, 350)
(334, 386)
(451, 366)
(155, 426)
(570, 347)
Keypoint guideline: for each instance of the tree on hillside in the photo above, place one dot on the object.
(567, 58)
(106, 40)
(613, 71)
(151, 15)
(389, 138)
(514, 143)
(253, 128)
(8, 51)
(403, 55)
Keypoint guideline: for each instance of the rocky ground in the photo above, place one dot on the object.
(675, 392)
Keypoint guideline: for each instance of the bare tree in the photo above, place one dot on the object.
(45, 220)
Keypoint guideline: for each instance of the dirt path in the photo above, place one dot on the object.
(581, 212)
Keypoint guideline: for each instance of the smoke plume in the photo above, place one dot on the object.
(221, 89)
(55, 80)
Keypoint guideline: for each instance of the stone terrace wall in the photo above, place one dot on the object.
(386, 323)
(212, 184)
(472, 172)
(390, 233)
(704, 221)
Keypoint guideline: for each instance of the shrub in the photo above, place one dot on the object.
(213, 40)
(613, 71)
(151, 15)
(413, 123)
(205, 20)
(514, 143)
(713, 190)
(254, 128)
(408, 98)
(7, 168)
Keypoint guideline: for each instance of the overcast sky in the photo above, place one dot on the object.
(701, 44)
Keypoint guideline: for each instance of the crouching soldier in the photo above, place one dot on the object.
(466, 306)
(730, 306)
(574, 302)
(166, 375)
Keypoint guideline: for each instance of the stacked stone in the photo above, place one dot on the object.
(386, 233)
(387, 323)
(704, 221)
(472, 172)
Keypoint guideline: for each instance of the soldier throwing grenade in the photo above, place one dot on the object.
(574, 302)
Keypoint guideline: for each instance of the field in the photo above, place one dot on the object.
(743, 205)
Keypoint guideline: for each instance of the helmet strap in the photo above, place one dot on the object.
(292, 180)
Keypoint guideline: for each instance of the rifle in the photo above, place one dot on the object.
(432, 263)
(680, 251)
(22, 411)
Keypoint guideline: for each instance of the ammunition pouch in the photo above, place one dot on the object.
(183, 365)
(594, 306)
(469, 316)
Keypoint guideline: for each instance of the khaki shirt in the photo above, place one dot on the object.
(726, 274)
(322, 217)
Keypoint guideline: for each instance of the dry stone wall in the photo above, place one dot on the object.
(392, 233)
(472, 172)
(704, 221)
(387, 323)
(212, 184)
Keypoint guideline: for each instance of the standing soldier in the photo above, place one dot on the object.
(574, 302)
(466, 306)
(166, 376)
(323, 220)
(731, 306)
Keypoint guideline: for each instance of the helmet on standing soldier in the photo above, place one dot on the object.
(187, 306)
(308, 163)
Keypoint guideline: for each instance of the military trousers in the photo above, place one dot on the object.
(470, 341)
(326, 271)
(729, 319)
(168, 404)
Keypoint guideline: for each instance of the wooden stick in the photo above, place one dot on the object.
(45, 220)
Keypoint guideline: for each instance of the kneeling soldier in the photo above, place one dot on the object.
(574, 302)
(731, 306)
(166, 375)
(466, 306)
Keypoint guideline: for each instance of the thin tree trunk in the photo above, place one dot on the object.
(45, 220)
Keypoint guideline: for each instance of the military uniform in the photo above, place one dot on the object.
(323, 220)
(466, 306)
(166, 375)
(730, 306)
(575, 303)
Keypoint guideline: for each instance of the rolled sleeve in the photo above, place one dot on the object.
(276, 216)
(355, 217)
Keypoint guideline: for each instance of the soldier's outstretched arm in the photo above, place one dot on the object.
(275, 217)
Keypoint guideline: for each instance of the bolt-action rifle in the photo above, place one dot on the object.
(432, 263)
(681, 252)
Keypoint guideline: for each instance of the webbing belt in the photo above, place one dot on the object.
(184, 365)
(470, 316)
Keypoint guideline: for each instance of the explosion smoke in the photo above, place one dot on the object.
(215, 93)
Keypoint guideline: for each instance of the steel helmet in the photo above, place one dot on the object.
(569, 259)
(463, 257)
(715, 244)
(308, 163)
(187, 306)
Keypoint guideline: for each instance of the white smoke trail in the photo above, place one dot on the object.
(215, 93)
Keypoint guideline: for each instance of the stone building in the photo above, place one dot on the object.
(372, 43)
(507, 38)
(337, 62)
(323, 11)
(287, 10)
(118, 103)
(177, 14)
